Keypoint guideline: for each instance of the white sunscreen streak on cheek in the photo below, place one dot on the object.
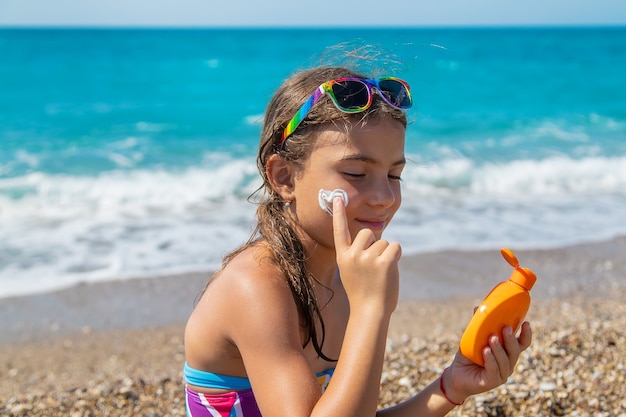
(326, 197)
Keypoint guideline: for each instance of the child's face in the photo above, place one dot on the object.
(367, 165)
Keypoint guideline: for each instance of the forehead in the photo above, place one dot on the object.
(380, 141)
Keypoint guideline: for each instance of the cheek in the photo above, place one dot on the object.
(320, 229)
(315, 222)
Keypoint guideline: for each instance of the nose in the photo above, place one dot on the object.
(384, 194)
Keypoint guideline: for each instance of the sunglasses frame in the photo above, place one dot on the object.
(327, 88)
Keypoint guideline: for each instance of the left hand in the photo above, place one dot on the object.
(464, 378)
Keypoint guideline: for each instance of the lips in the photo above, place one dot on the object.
(374, 224)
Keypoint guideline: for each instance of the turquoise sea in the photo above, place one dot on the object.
(130, 153)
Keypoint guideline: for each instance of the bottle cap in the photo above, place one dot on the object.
(521, 276)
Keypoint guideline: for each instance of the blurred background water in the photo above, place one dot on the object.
(130, 153)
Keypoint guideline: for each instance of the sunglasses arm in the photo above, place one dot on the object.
(301, 114)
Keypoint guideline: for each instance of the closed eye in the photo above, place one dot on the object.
(353, 175)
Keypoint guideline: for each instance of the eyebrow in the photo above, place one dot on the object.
(368, 160)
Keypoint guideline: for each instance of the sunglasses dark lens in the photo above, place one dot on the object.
(350, 95)
(396, 93)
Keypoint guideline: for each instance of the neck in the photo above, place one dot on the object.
(321, 261)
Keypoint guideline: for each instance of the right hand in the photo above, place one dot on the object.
(501, 356)
(368, 267)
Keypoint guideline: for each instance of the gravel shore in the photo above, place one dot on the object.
(99, 367)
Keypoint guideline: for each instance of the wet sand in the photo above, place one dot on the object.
(116, 348)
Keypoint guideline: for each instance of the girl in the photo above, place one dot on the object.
(295, 322)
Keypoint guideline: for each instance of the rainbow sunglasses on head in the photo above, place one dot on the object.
(354, 95)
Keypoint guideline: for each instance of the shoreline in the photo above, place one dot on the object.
(116, 348)
(593, 269)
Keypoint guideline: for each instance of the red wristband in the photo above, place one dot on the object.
(443, 390)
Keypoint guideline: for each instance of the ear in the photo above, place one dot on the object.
(281, 174)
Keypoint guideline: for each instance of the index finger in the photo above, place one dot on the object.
(341, 233)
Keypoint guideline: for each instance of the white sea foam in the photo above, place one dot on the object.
(254, 119)
(553, 176)
(27, 158)
(58, 230)
(526, 203)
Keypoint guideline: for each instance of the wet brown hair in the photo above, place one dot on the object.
(273, 225)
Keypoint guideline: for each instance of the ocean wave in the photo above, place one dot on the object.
(505, 138)
(219, 179)
(121, 193)
(553, 176)
(58, 230)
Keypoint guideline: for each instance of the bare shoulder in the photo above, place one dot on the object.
(249, 280)
(247, 300)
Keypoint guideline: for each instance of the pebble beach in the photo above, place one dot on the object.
(116, 348)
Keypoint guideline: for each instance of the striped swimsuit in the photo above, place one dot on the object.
(238, 402)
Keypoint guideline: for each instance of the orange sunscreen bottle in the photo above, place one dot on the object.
(506, 305)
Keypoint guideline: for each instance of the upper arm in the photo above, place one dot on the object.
(265, 328)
